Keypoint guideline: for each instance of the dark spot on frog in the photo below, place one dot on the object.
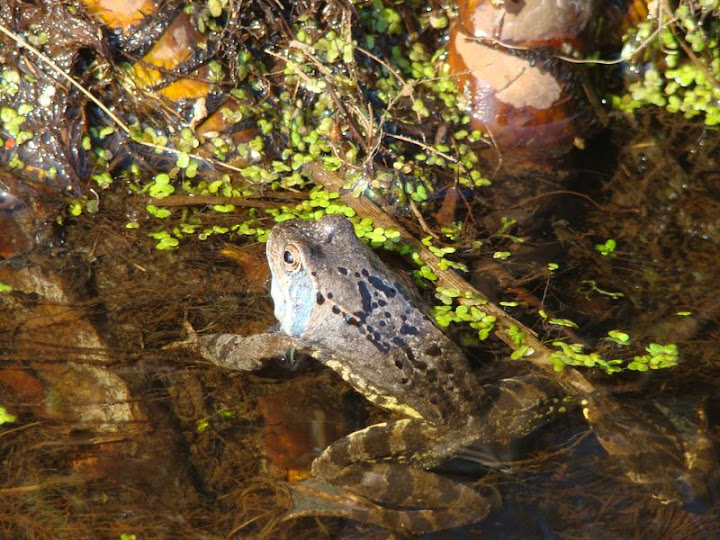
(341, 451)
(382, 303)
(398, 364)
(365, 273)
(365, 297)
(382, 286)
(404, 380)
(408, 330)
(352, 321)
(330, 296)
(375, 442)
(374, 305)
(448, 491)
(398, 341)
(313, 273)
(356, 274)
(382, 324)
(466, 394)
(446, 367)
(422, 366)
(387, 314)
(336, 310)
(433, 350)
(412, 436)
(381, 346)
(320, 299)
(514, 6)
(314, 252)
(343, 270)
(431, 375)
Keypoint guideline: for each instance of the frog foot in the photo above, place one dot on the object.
(395, 497)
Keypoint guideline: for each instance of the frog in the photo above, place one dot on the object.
(337, 301)
(332, 291)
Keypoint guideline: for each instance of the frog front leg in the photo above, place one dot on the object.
(382, 463)
(244, 353)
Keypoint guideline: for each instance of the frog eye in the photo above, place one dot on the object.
(291, 258)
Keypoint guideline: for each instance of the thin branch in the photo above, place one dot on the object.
(423, 146)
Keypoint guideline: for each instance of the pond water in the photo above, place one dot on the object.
(111, 426)
(116, 434)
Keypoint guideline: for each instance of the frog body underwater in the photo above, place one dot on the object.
(332, 291)
(335, 299)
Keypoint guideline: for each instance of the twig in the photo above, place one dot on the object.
(423, 146)
(187, 200)
(556, 192)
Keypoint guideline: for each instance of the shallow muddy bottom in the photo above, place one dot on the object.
(209, 451)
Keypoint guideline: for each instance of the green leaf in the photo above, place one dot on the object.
(183, 160)
(6, 417)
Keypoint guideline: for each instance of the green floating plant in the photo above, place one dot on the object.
(318, 204)
(657, 356)
(683, 50)
(521, 349)
(6, 417)
(556, 321)
(607, 249)
(301, 124)
(573, 355)
(462, 307)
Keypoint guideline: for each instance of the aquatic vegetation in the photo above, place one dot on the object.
(606, 249)
(657, 357)
(675, 58)
(380, 106)
(6, 417)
